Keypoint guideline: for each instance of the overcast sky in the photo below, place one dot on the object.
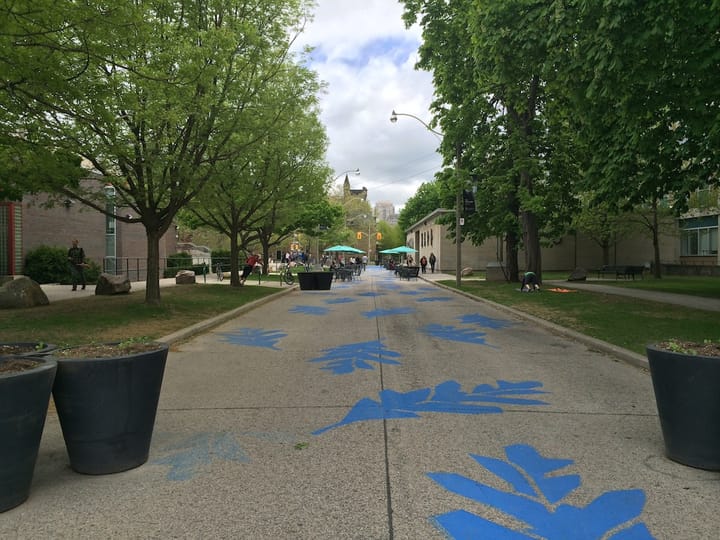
(365, 56)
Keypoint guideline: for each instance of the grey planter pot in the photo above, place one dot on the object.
(687, 394)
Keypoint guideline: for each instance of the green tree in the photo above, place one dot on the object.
(426, 200)
(150, 94)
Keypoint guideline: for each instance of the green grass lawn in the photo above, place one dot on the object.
(626, 322)
(119, 317)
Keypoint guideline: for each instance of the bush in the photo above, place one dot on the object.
(47, 264)
(179, 261)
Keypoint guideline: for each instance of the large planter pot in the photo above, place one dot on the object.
(24, 397)
(310, 281)
(107, 406)
(25, 348)
(687, 394)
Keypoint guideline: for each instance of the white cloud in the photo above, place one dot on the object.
(366, 56)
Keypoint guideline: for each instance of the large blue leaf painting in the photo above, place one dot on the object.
(447, 397)
(535, 499)
(197, 452)
(434, 299)
(255, 337)
(347, 358)
(387, 312)
(485, 322)
(455, 333)
(371, 294)
(310, 310)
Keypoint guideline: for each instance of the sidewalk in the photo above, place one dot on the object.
(384, 409)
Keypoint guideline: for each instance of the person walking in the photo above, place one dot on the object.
(432, 263)
(76, 256)
(423, 263)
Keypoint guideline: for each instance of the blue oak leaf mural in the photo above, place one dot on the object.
(310, 310)
(196, 453)
(536, 499)
(446, 397)
(411, 293)
(347, 358)
(371, 294)
(455, 333)
(387, 312)
(434, 299)
(341, 300)
(485, 322)
(254, 337)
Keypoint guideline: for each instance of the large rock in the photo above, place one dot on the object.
(579, 274)
(466, 272)
(22, 292)
(185, 277)
(108, 284)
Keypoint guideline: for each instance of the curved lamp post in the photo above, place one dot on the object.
(458, 198)
(354, 171)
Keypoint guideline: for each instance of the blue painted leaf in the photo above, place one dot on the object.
(434, 299)
(446, 398)
(371, 294)
(411, 293)
(462, 525)
(453, 333)
(639, 531)
(346, 358)
(509, 388)
(507, 472)
(310, 310)
(341, 300)
(385, 312)
(486, 322)
(538, 467)
(255, 337)
(191, 455)
(450, 391)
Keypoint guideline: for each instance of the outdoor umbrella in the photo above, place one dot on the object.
(344, 249)
(402, 249)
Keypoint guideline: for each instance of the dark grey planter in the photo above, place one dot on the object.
(687, 394)
(311, 281)
(26, 348)
(107, 407)
(24, 398)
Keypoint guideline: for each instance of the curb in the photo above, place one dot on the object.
(208, 324)
(624, 355)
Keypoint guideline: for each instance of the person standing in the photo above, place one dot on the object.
(432, 263)
(76, 256)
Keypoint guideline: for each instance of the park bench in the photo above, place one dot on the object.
(407, 272)
(621, 271)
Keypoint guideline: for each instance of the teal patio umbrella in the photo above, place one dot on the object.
(343, 249)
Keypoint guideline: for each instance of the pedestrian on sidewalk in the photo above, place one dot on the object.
(432, 263)
(423, 263)
(76, 257)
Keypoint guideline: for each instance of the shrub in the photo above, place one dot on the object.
(47, 264)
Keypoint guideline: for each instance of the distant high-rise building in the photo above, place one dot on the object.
(385, 211)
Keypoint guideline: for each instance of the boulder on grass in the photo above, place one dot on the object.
(579, 274)
(185, 277)
(108, 284)
(22, 292)
(466, 272)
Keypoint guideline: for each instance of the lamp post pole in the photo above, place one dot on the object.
(458, 196)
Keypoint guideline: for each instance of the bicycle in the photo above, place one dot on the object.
(286, 275)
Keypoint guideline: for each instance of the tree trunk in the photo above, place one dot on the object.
(152, 280)
(234, 257)
(657, 271)
(511, 256)
(531, 240)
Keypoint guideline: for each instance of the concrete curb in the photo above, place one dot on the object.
(624, 355)
(204, 326)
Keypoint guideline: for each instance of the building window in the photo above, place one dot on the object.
(699, 237)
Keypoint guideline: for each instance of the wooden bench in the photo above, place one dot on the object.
(621, 271)
(407, 272)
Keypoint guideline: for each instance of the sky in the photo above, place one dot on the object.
(366, 57)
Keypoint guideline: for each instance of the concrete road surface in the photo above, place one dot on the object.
(385, 409)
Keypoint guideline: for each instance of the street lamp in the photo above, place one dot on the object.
(354, 171)
(458, 197)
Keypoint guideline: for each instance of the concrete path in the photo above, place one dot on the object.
(385, 409)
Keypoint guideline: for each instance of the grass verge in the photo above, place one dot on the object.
(626, 322)
(96, 319)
